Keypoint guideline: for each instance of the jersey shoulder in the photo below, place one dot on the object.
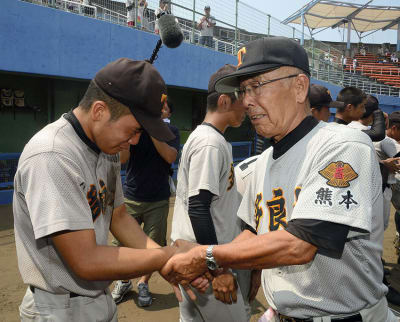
(56, 137)
(205, 135)
(339, 133)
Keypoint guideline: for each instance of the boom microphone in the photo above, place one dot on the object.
(170, 32)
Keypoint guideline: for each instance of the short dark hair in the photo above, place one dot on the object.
(350, 95)
(212, 100)
(170, 105)
(95, 93)
(371, 106)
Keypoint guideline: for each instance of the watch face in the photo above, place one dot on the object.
(211, 265)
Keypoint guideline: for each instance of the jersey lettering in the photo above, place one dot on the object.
(97, 201)
(231, 178)
(258, 212)
(297, 191)
(94, 202)
(103, 196)
(277, 210)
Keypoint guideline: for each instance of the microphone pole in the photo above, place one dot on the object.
(154, 56)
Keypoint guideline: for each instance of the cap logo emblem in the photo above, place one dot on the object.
(240, 56)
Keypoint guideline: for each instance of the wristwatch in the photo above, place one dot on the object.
(210, 260)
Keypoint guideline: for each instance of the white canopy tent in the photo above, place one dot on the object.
(365, 19)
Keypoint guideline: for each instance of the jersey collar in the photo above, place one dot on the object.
(284, 145)
(71, 118)
(209, 124)
(340, 121)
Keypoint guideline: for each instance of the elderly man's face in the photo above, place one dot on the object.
(272, 108)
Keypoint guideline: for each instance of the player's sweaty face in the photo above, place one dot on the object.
(118, 135)
(272, 111)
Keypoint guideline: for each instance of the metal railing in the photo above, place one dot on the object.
(342, 78)
(237, 23)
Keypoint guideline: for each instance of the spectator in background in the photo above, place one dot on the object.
(142, 21)
(355, 64)
(147, 192)
(162, 9)
(344, 61)
(206, 27)
(321, 101)
(130, 13)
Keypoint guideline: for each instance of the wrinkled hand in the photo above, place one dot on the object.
(392, 164)
(255, 282)
(225, 287)
(184, 268)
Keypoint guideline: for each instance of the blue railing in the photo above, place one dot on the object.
(9, 163)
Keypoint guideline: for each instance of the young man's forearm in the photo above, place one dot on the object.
(128, 232)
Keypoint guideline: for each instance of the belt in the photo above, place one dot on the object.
(32, 288)
(352, 318)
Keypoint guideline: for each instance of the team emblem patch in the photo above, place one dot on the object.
(338, 174)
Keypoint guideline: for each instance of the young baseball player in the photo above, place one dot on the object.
(314, 200)
(207, 201)
(354, 100)
(321, 101)
(68, 197)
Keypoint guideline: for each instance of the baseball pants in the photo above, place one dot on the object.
(43, 306)
(208, 309)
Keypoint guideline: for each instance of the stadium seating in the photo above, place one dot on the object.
(373, 67)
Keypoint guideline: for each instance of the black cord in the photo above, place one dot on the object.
(154, 56)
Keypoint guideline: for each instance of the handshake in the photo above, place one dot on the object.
(187, 268)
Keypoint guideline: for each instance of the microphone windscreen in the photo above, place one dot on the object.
(170, 32)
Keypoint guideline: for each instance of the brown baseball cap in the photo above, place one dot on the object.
(223, 71)
(320, 96)
(139, 86)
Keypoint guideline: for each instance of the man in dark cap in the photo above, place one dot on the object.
(68, 197)
(313, 207)
(321, 101)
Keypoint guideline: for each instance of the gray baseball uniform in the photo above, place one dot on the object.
(63, 182)
(206, 163)
(328, 173)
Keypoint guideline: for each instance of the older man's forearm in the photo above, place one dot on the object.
(274, 249)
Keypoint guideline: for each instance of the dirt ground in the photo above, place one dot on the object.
(165, 305)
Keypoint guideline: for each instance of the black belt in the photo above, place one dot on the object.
(32, 288)
(352, 318)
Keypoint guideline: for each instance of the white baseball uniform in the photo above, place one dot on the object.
(243, 172)
(206, 164)
(327, 172)
(63, 182)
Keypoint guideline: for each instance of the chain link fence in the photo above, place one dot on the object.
(236, 24)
